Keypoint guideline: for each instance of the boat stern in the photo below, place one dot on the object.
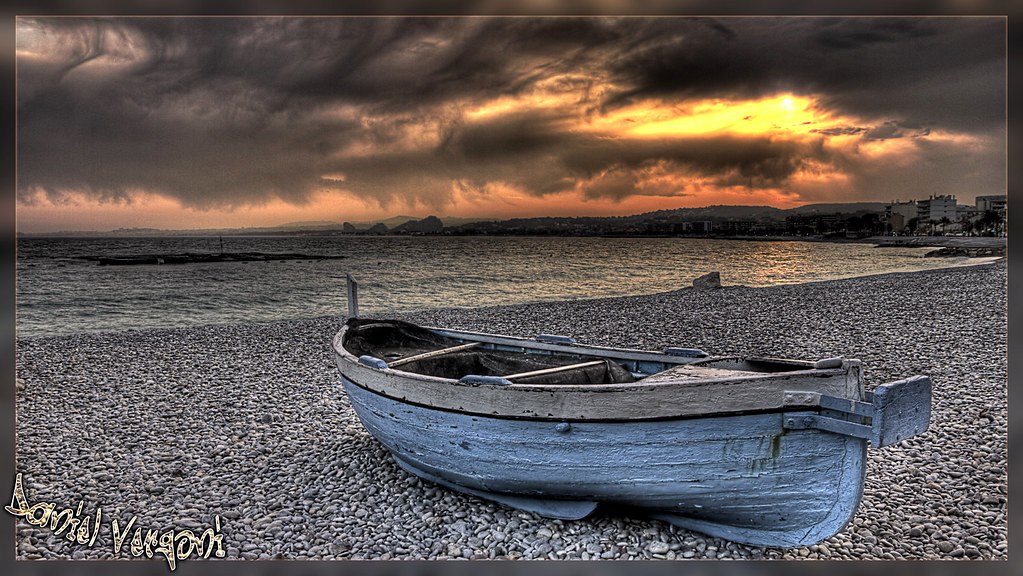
(893, 412)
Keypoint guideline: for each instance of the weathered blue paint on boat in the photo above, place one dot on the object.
(743, 478)
(763, 451)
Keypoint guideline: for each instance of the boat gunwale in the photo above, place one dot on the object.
(794, 410)
(625, 353)
(640, 400)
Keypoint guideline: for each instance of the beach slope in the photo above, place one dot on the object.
(248, 423)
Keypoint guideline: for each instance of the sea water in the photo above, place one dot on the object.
(61, 292)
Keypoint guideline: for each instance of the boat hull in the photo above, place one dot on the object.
(743, 477)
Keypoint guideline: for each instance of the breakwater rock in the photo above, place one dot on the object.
(197, 258)
(971, 251)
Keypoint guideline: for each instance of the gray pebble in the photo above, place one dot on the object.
(315, 484)
(658, 548)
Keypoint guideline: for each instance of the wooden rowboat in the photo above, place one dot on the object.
(767, 452)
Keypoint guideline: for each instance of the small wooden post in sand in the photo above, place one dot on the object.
(353, 297)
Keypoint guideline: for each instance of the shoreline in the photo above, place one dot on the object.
(885, 241)
(953, 245)
(275, 450)
(983, 261)
(947, 245)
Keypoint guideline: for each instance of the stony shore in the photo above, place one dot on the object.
(971, 246)
(248, 423)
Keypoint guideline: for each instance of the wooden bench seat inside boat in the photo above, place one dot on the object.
(725, 368)
(399, 342)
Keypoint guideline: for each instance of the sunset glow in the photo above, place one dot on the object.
(782, 115)
(137, 123)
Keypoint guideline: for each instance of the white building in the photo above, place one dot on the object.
(898, 214)
(965, 211)
(907, 210)
(698, 226)
(937, 207)
(995, 203)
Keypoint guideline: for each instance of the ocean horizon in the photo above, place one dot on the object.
(62, 290)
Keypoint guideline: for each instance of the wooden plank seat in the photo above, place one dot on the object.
(555, 370)
(433, 354)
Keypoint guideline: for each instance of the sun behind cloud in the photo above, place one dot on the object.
(235, 122)
(781, 115)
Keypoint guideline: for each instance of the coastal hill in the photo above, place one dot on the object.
(864, 218)
(847, 208)
(635, 224)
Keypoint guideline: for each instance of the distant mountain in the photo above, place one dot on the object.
(453, 221)
(717, 212)
(310, 224)
(395, 221)
(428, 225)
(846, 208)
(637, 223)
(759, 212)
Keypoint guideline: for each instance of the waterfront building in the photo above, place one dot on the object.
(700, 226)
(991, 214)
(898, 214)
(967, 212)
(994, 203)
(735, 226)
(935, 208)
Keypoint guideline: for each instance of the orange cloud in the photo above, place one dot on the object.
(617, 189)
(196, 122)
(77, 211)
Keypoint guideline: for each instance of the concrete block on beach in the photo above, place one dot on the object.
(711, 281)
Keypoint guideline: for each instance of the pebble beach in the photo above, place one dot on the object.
(248, 422)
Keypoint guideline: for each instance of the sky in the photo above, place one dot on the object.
(190, 122)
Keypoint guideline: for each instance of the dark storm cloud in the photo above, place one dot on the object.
(509, 136)
(532, 153)
(885, 131)
(231, 111)
(761, 158)
(858, 33)
(947, 72)
(843, 131)
(223, 111)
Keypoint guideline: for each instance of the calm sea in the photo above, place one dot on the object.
(59, 293)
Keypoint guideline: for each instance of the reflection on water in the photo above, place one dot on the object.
(59, 294)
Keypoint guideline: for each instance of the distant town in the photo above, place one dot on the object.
(933, 216)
